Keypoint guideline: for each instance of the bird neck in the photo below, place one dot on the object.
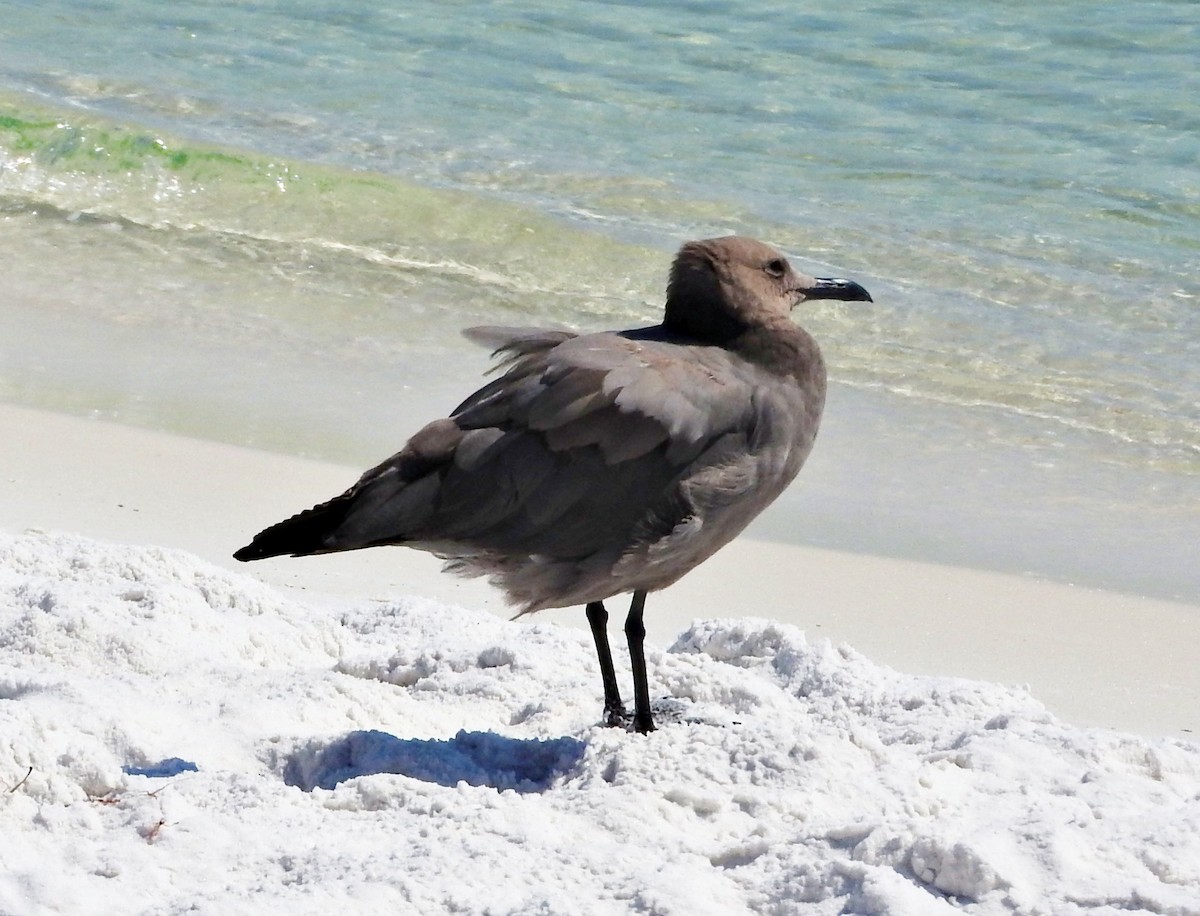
(784, 349)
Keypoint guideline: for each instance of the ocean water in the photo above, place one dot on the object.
(266, 222)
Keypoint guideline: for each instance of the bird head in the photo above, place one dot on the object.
(719, 288)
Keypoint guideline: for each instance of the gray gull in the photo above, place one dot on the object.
(600, 464)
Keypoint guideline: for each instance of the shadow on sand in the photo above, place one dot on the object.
(476, 758)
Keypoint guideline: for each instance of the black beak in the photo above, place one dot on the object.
(831, 288)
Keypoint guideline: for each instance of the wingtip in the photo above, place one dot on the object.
(246, 554)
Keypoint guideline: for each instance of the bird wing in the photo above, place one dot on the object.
(585, 446)
(588, 441)
(625, 394)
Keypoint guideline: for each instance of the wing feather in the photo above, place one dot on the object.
(584, 445)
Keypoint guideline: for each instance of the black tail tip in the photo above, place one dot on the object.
(248, 553)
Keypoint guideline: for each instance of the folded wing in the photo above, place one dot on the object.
(585, 444)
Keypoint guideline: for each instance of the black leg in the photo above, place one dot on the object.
(614, 709)
(635, 632)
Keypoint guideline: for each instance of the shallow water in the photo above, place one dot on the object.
(266, 223)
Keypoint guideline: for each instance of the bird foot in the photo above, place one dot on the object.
(620, 717)
(615, 717)
(643, 725)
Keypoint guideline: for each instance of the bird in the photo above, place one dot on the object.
(601, 464)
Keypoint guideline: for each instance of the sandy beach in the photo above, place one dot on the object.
(1094, 658)
(363, 734)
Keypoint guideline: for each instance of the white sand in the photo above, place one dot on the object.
(1095, 658)
(178, 736)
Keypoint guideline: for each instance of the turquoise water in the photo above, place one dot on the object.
(266, 222)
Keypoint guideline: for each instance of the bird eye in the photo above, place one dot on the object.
(776, 267)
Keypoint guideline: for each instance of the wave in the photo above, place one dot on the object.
(91, 169)
(986, 329)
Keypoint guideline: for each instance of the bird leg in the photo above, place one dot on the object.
(614, 709)
(635, 633)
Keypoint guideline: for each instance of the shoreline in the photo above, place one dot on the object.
(1094, 658)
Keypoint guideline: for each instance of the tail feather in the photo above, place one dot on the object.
(301, 535)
